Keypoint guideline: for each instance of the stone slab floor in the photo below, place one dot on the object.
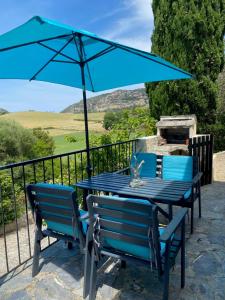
(61, 274)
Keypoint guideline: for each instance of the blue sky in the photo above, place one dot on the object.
(129, 22)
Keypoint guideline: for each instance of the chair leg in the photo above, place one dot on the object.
(37, 250)
(199, 204)
(192, 218)
(170, 208)
(93, 277)
(166, 273)
(87, 271)
(123, 264)
(70, 245)
(183, 255)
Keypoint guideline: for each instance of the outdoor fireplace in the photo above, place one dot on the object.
(176, 129)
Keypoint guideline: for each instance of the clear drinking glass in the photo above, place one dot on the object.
(135, 172)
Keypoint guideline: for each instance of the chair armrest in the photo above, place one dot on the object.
(173, 225)
(197, 177)
(122, 171)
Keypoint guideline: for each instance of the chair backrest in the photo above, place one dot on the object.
(126, 225)
(177, 167)
(150, 162)
(56, 204)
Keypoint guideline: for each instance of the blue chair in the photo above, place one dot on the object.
(56, 205)
(184, 168)
(148, 168)
(128, 229)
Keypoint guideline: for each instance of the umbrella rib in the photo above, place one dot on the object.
(62, 54)
(105, 51)
(45, 65)
(133, 51)
(64, 61)
(35, 42)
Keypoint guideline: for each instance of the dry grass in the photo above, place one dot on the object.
(57, 123)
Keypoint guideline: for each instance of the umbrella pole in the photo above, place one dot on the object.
(88, 167)
(82, 65)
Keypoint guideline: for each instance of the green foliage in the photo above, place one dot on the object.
(110, 119)
(70, 139)
(15, 142)
(132, 123)
(221, 96)
(218, 132)
(9, 203)
(18, 143)
(190, 35)
(44, 144)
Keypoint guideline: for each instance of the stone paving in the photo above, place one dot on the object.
(61, 274)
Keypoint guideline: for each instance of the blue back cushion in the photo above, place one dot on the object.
(150, 161)
(57, 226)
(132, 249)
(177, 167)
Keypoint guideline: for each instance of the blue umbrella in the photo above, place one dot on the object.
(46, 50)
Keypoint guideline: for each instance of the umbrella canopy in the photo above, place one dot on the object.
(45, 50)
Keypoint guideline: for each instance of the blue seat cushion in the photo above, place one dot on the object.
(55, 226)
(67, 229)
(148, 169)
(132, 249)
(177, 167)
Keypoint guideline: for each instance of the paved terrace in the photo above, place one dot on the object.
(61, 275)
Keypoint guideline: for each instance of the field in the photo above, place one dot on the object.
(59, 126)
(62, 145)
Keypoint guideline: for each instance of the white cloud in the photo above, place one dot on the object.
(135, 28)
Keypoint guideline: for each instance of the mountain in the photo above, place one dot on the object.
(116, 100)
(3, 111)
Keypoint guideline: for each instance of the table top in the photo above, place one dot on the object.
(155, 189)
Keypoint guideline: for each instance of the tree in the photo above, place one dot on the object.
(130, 123)
(133, 123)
(15, 142)
(190, 35)
(44, 144)
(110, 119)
(18, 143)
(221, 97)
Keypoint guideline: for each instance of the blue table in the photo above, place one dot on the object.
(169, 192)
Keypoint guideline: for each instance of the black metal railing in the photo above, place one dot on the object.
(16, 226)
(202, 147)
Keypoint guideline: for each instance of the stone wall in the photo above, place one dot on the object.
(146, 144)
(219, 166)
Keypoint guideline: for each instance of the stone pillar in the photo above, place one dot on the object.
(218, 166)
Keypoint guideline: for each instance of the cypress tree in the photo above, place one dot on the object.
(190, 35)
